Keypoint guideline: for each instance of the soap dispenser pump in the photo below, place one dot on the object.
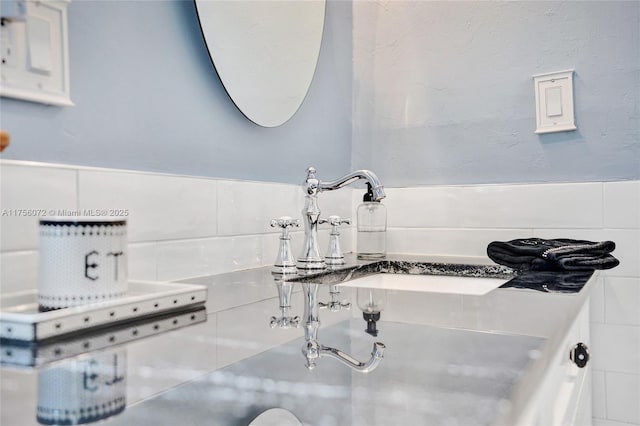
(372, 228)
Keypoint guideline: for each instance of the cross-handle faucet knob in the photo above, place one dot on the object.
(285, 222)
(285, 262)
(285, 322)
(335, 221)
(334, 305)
(334, 253)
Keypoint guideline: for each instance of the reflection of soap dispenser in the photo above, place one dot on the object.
(372, 228)
(371, 302)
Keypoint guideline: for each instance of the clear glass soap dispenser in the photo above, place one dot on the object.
(372, 228)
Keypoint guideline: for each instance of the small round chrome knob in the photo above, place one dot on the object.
(580, 355)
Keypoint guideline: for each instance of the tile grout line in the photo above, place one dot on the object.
(604, 298)
(77, 173)
(604, 391)
(602, 205)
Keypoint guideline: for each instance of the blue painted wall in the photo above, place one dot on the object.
(443, 92)
(148, 98)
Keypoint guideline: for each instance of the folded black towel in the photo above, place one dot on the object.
(536, 254)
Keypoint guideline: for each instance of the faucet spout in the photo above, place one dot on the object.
(310, 258)
(367, 175)
(364, 367)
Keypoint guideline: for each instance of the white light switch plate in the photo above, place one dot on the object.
(554, 102)
(35, 53)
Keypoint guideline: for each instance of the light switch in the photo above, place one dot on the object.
(39, 38)
(35, 51)
(554, 102)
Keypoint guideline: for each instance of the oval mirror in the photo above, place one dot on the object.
(265, 52)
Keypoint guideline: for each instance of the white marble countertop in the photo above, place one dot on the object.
(450, 359)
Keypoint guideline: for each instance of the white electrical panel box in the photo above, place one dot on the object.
(35, 51)
(554, 102)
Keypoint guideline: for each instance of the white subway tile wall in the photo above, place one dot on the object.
(18, 270)
(160, 207)
(178, 226)
(599, 406)
(622, 201)
(597, 301)
(492, 206)
(622, 397)
(182, 227)
(29, 192)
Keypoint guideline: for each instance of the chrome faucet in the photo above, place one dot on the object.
(313, 350)
(310, 257)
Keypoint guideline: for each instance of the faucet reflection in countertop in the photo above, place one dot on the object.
(312, 349)
(285, 320)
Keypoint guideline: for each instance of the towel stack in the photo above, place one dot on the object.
(536, 254)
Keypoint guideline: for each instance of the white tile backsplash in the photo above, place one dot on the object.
(423, 207)
(18, 271)
(599, 399)
(248, 207)
(179, 226)
(497, 206)
(336, 203)
(622, 201)
(451, 241)
(142, 261)
(622, 397)
(549, 206)
(596, 301)
(33, 191)
(205, 256)
(622, 299)
(616, 348)
(160, 207)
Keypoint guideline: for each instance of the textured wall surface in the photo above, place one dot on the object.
(443, 92)
(148, 98)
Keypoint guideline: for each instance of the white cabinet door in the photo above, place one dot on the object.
(564, 397)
